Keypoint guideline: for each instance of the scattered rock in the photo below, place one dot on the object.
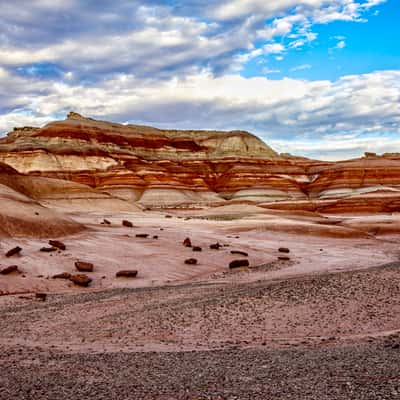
(215, 246)
(83, 266)
(106, 222)
(80, 280)
(238, 264)
(56, 243)
(155, 237)
(41, 296)
(142, 235)
(9, 270)
(196, 248)
(129, 273)
(283, 250)
(191, 261)
(187, 242)
(13, 252)
(48, 249)
(284, 258)
(126, 223)
(240, 253)
(168, 216)
(63, 275)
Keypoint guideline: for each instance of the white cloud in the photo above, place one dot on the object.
(176, 42)
(287, 109)
(127, 36)
(267, 71)
(337, 147)
(172, 66)
(279, 27)
(341, 44)
(301, 67)
(273, 48)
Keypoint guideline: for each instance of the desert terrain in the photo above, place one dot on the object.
(246, 274)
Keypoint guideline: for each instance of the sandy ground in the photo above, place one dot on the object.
(160, 260)
(323, 325)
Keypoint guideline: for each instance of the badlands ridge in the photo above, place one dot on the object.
(102, 162)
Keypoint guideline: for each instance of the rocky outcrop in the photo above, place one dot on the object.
(22, 215)
(108, 165)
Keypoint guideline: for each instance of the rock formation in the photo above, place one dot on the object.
(22, 215)
(106, 165)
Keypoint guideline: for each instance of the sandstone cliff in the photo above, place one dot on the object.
(105, 163)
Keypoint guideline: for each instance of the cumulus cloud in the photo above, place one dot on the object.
(163, 42)
(175, 64)
(274, 109)
(93, 38)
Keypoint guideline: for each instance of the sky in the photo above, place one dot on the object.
(318, 78)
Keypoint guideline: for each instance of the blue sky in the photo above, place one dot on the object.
(340, 48)
(319, 78)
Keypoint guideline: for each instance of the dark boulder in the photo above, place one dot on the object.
(129, 273)
(13, 251)
(9, 270)
(83, 266)
(41, 296)
(238, 264)
(63, 275)
(56, 243)
(239, 253)
(80, 280)
(127, 224)
(187, 242)
(48, 249)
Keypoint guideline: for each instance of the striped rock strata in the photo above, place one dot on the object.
(123, 166)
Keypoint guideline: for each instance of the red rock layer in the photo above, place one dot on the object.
(225, 165)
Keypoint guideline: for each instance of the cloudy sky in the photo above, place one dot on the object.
(319, 78)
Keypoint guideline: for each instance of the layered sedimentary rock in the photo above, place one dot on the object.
(20, 215)
(104, 163)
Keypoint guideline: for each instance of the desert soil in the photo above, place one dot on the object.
(323, 325)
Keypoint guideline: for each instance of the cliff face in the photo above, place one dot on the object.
(21, 215)
(157, 168)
